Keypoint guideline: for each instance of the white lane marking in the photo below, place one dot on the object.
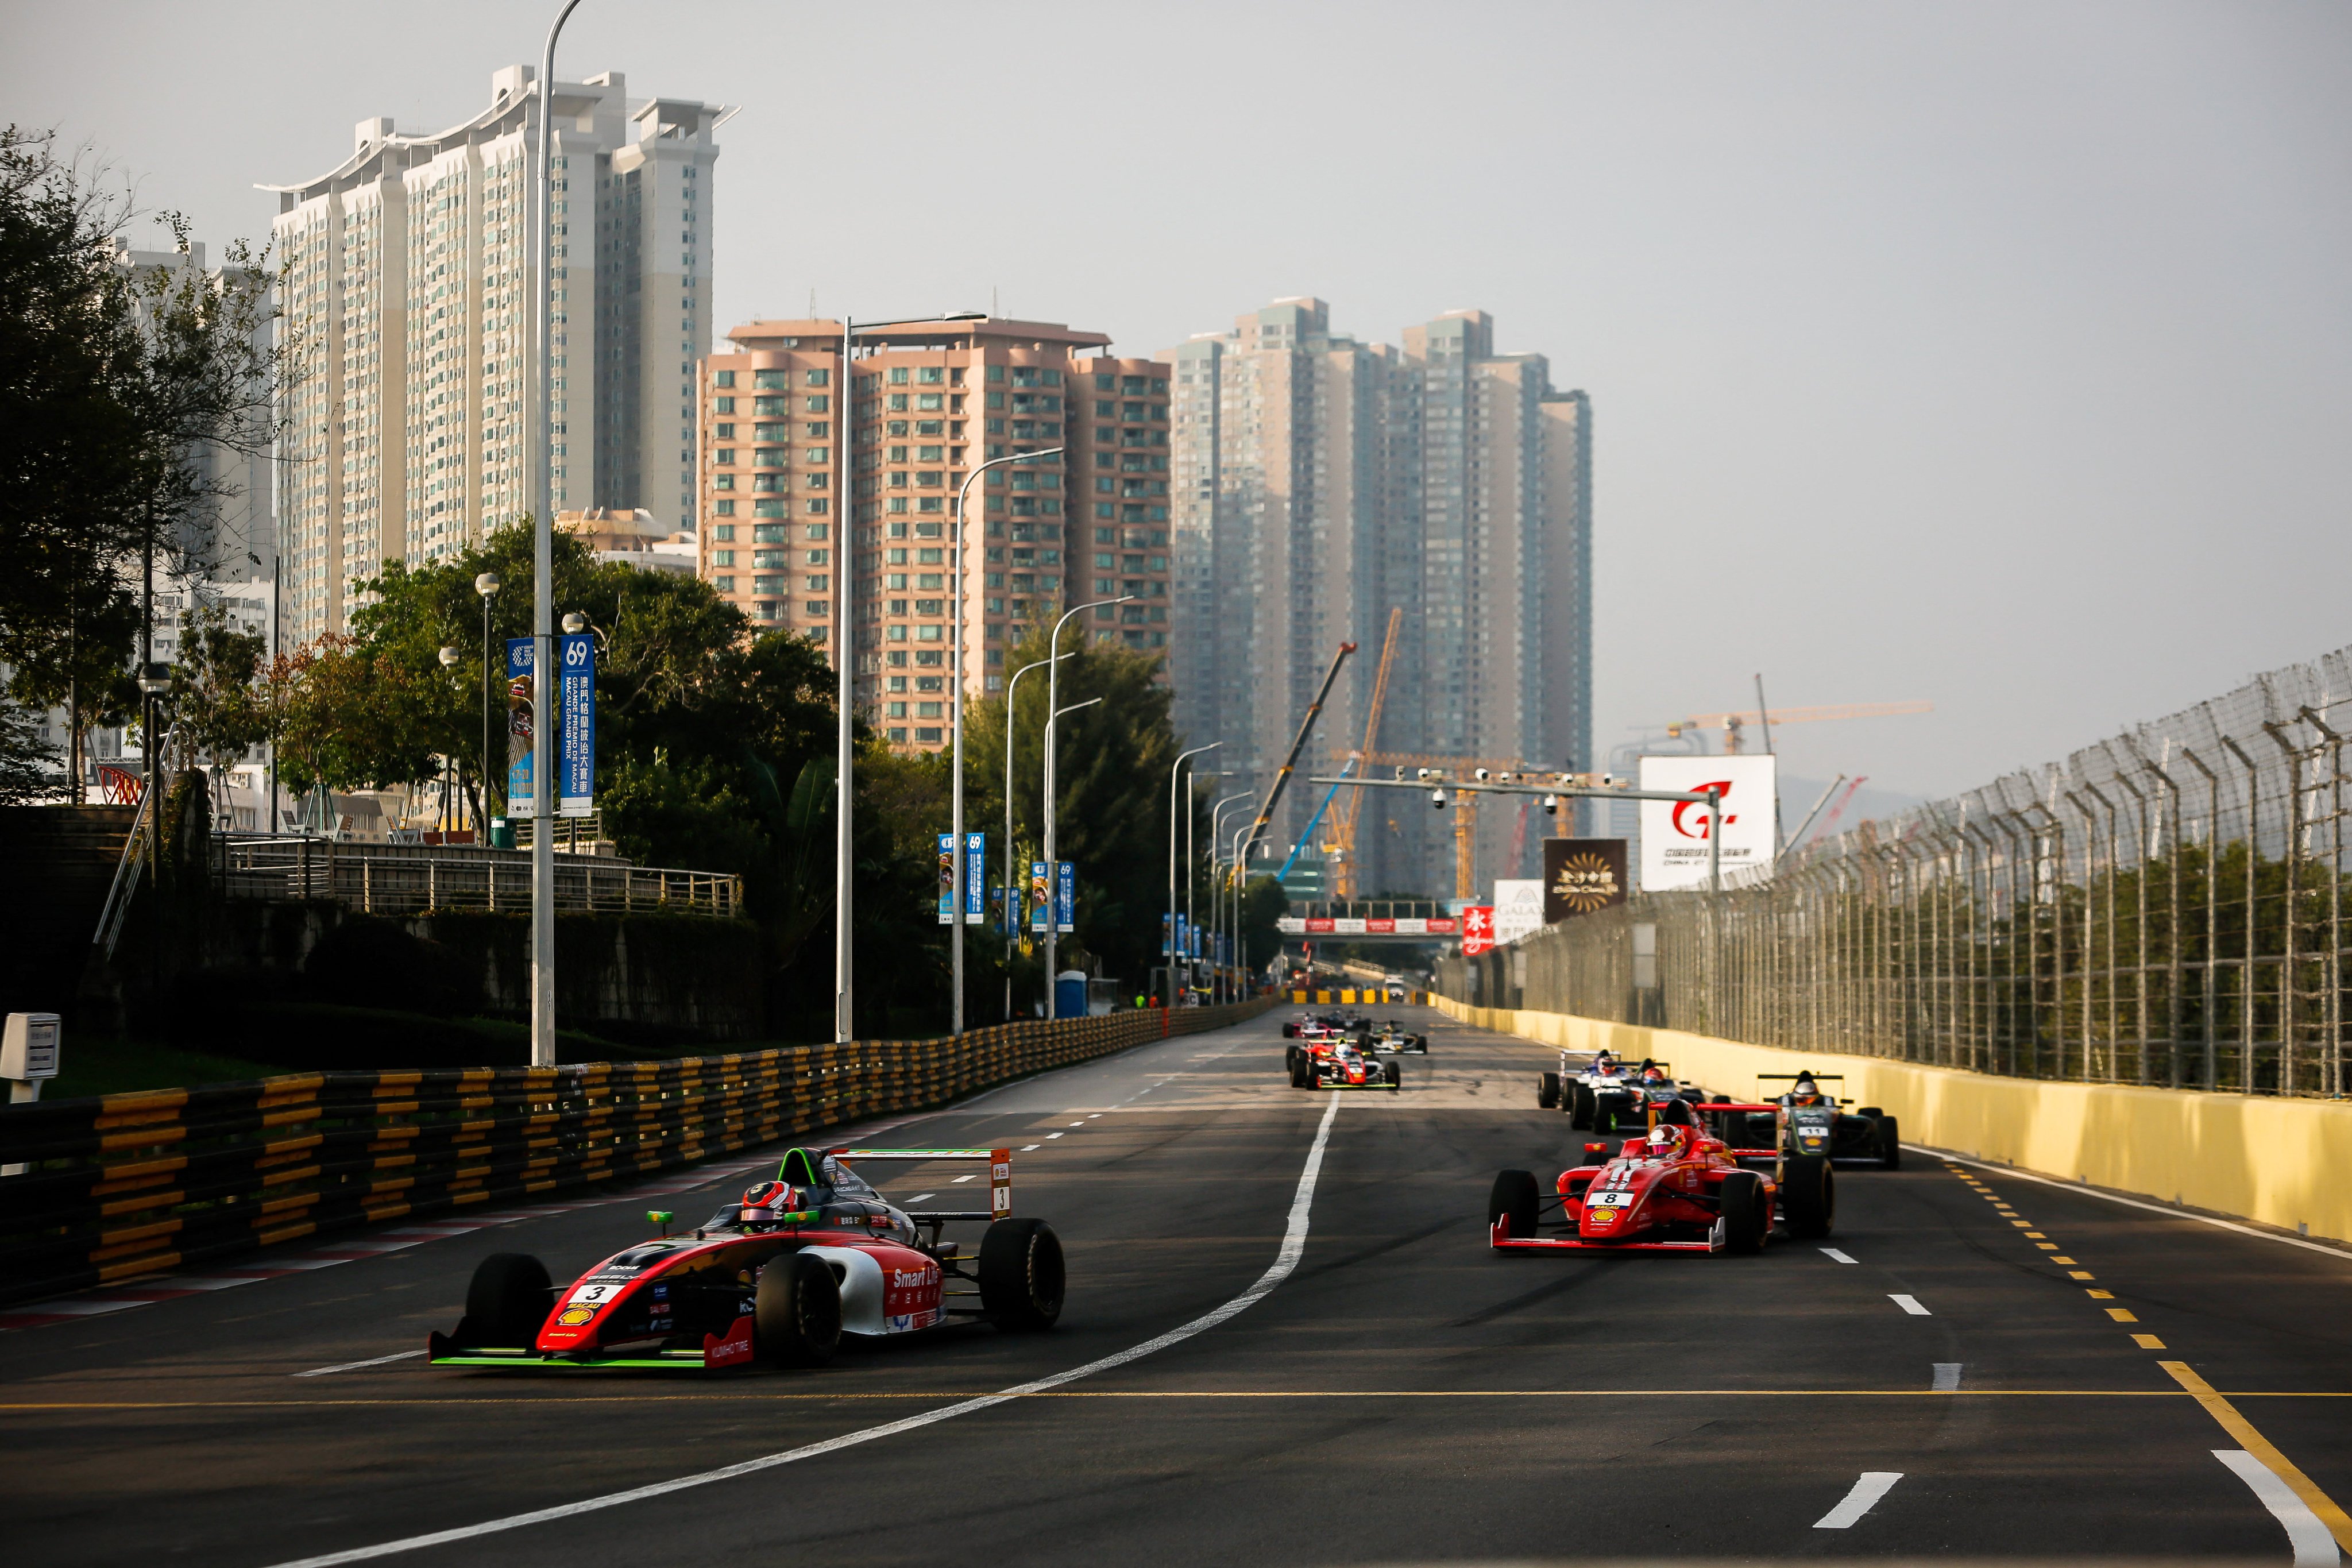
(1947, 1377)
(1031, 1148)
(87, 1308)
(355, 1365)
(965, 1178)
(207, 1282)
(2312, 1544)
(1051, 1135)
(918, 1197)
(1285, 1260)
(1911, 1305)
(2090, 1192)
(1834, 1255)
(1873, 1485)
(1095, 1117)
(1077, 1124)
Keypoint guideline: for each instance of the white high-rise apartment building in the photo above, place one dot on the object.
(414, 377)
(1320, 483)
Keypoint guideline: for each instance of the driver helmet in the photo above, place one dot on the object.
(1665, 1141)
(1805, 1089)
(1651, 1074)
(764, 1202)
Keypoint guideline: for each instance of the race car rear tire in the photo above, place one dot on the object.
(796, 1315)
(1514, 1202)
(1420, 1043)
(1396, 1075)
(1890, 1144)
(1869, 1113)
(1021, 1277)
(1808, 1195)
(1746, 1215)
(1580, 1115)
(1290, 1060)
(506, 1302)
(1548, 1090)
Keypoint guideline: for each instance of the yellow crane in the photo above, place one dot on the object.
(1343, 849)
(1732, 724)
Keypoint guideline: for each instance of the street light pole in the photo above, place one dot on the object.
(1172, 943)
(845, 664)
(487, 585)
(1216, 892)
(955, 904)
(1012, 925)
(1241, 882)
(542, 628)
(1053, 711)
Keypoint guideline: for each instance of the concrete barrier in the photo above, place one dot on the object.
(2284, 1162)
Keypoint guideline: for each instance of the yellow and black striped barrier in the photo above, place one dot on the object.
(128, 1184)
(1361, 996)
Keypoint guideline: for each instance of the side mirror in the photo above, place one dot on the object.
(662, 1219)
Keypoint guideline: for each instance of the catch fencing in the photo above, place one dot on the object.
(131, 1184)
(413, 879)
(2166, 906)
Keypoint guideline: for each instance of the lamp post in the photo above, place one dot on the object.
(955, 904)
(1052, 701)
(1054, 866)
(1241, 883)
(487, 585)
(1012, 925)
(845, 663)
(450, 658)
(1216, 893)
(542, 529)
(1172, 943)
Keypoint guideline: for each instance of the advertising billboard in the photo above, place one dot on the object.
(1581, 875)
(1518, 909)
(1477, 929)
(1673, 833)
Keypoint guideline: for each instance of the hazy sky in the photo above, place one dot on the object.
(1986, 353)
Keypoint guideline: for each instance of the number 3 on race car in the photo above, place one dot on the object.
(592, 1295)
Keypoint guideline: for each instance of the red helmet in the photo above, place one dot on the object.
(768, 1201)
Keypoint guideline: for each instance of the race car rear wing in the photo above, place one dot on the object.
(1000, 1178)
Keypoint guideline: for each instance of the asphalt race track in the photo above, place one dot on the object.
(1398, 1393)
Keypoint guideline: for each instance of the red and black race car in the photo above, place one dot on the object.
(777, 1279)
(1677, 1189)
(1342, 1064)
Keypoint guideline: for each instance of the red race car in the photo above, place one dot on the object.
(1340, 1063)
(1677, 1189)
(777, 1279)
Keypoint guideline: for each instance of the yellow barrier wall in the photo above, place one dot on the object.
(2285, 1162)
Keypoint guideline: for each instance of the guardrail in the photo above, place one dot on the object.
(406, 879)
(134, 1183)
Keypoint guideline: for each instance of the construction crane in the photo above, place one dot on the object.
(1731, 724)
(1290, 762)
(1343, 847)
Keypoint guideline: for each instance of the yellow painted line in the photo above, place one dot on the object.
(2047, 1246)
(2219, 1408)
(2066, 1261)
(2122, 1315)
(2076, 1273)
(2147, 1341)
(2022, 1224)
(2099, 1295)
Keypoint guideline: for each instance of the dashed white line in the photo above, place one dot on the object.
(963, 1178)
(1031, 1148)
(1910, 1304)
(1834, 1255)
(1077, 1124)
(2304, 1531)
(1873, 1485)
(1947, 1377)
(1050, 1136)
(1286, 1262)
(918, 1197)
(355, 1365)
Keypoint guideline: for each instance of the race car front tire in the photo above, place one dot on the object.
(1396, 1075)
(797, 1317)
(1890, 1144)
(1579, 1109)
(1808, 1195)
(1746, 1215)
(1548, 1090)
(1514, 1202)
(506, 1302)
(1021, 1275)
(1290, 1060)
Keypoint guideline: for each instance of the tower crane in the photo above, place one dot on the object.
(1732, 724)
(1343, 881)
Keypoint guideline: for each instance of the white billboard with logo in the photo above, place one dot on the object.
(1673, 833)
(1519, 908)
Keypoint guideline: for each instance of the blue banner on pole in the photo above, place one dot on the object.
(1039, 896)
(975, 878)
(521, 727)
(1066, 900)
(576, 741)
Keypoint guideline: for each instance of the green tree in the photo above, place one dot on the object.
(216, 687)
